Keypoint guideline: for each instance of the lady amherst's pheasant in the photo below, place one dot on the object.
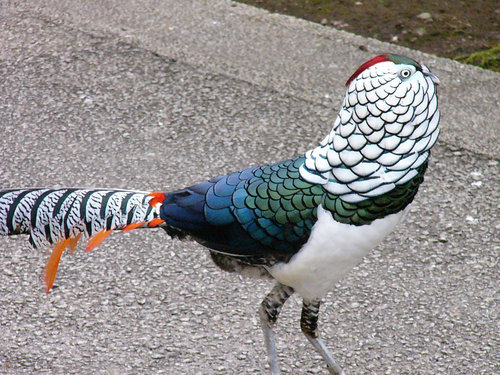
(304, 222)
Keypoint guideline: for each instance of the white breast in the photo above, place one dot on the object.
(331, 251)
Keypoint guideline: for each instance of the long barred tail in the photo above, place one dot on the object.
(63, 217)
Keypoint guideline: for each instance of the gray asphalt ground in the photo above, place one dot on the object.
(157, 95)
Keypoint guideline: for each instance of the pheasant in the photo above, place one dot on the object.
(304, 222)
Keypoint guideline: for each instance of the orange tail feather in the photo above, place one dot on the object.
(53, 263)
(74, 241)
(133, 226)
(97, 239)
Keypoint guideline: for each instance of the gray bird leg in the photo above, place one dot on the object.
(309, 326)
(268, 313)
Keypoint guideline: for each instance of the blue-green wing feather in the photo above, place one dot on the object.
(261, 211)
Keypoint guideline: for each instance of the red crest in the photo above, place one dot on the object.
(366, 65)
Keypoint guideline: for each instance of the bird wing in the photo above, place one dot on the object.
(260, 211)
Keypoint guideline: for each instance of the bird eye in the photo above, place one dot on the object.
(405, 73)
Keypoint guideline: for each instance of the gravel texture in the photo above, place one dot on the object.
(90, 98)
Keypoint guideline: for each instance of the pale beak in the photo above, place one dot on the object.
(428, 73)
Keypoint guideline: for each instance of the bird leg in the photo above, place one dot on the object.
(268, 313)
(309, 326)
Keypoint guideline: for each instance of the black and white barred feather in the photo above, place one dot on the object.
(52, 215)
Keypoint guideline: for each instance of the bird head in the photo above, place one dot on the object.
(399, 64)
(388, 99)
(384, 131)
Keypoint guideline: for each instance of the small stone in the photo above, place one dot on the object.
(442, 238)
(470, 219)
(425, 16)
(157, 355)
(8, 272)
(420, 31)
(476, 175)
(324, 22)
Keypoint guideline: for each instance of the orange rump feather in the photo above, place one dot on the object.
(157, 198)
(155, 222)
